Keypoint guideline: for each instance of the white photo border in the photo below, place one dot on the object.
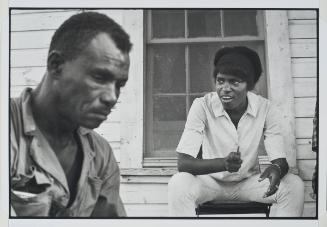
(158, 4)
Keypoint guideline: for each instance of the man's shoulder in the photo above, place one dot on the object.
(104, 158)
(17, 102)
(100, 146)
(15, 105)
(99, 143)
(16, 113)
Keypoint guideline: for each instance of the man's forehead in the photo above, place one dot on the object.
(118, 62)
(103, 46)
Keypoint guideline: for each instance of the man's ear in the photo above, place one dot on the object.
(55, 63)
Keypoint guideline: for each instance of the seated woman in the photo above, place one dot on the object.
(229, 124)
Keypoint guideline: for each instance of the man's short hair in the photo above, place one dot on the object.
(71, 38)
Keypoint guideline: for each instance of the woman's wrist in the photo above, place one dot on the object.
(277, 167)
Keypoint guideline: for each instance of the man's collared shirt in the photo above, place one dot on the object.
(209, 125)
(33, 163)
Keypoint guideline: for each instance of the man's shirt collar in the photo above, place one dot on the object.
(40, 149)
(28, 120)
(30, 126)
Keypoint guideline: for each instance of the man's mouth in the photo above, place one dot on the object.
(105, 112)
(102, 115)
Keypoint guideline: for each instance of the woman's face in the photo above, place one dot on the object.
(231, 90)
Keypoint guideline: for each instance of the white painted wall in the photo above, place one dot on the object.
(303, 42)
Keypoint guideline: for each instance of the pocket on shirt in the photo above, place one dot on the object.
(94, 186)
(90, 196)
(27, 204)
(31, 196)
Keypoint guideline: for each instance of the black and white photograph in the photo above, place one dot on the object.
(164, 113)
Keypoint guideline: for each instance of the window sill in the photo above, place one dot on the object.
(164, 162)
(146, 175)
(164, 167)
(148, 171)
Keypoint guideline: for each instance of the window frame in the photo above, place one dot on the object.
(185, 41)
(278, 63)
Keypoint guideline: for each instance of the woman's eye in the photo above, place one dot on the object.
(220, 81)
(236, 83)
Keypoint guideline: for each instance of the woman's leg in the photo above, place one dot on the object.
(185, 191)
(288, 201)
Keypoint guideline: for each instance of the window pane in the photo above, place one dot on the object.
(238, 22)
(169, 120)
(166, 135)
(203, 23)
(169, 69)
(201, 67)
(169, 108)
(168, 23)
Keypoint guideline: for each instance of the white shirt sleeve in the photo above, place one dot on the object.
(273, 134)
(192, 136)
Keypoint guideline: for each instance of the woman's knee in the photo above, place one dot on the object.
(292, 185)
(182, 183)
(181, 180)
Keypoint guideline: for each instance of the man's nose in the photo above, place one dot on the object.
(109, 95)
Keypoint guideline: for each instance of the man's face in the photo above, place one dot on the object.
(89, 85)
(231, 91)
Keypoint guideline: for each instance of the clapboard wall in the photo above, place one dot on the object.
(303, 43)
(31, 32)
(145, 194)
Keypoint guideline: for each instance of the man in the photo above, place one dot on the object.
(59, 166)
(229, 124)
(315, 149)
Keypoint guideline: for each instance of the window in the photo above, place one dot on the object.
(180, 47)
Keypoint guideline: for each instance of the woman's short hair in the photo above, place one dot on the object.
(239, 61)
